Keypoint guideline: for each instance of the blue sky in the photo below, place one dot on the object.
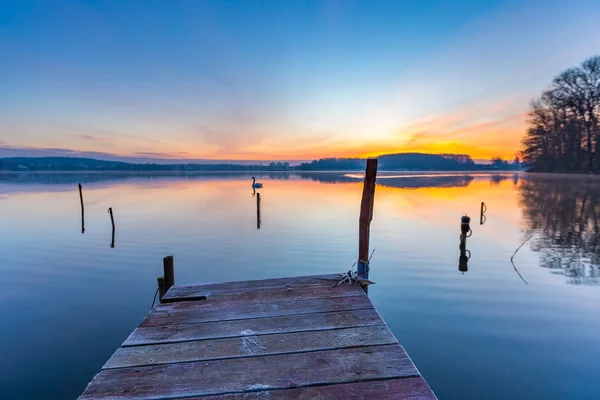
(280, 79)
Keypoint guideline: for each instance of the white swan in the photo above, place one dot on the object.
(256, 185)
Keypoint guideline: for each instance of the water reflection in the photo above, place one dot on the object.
(465, 255)
(279, 175)
(563, 215)
(465, 232)
(561, 212)
(209, 218)
(34, 182)
(515, 179)
(401, 182)
(497, 178)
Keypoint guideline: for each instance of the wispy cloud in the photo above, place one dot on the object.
(150, 154)
(88, 137)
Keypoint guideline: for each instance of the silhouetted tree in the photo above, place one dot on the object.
(499, 163)
(564, 131)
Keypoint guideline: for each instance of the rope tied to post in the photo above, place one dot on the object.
(352, 276)
(366, 263)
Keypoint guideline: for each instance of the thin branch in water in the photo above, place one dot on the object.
(513, 256)
(519, 248)
(518, 273)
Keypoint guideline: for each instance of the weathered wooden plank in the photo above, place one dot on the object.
(274, 294)
(220, 310)
(252, 373)
(392, 389)
(223, 329)
(250, 345)
(180, 292)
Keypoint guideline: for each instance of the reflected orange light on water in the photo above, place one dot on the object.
(295, 202)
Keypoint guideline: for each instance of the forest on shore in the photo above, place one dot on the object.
(563, 133)
(411, 162)
(389, 162)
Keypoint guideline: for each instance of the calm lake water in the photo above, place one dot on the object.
(68, 299)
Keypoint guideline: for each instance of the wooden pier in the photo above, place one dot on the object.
(289, 338)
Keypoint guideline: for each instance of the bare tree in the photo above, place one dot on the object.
(564, 130)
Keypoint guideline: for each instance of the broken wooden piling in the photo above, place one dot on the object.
(258, 221)
(82, 209)
(112, 221)
(169, 271)
(168, 278)
(366, 216)
(482, 217)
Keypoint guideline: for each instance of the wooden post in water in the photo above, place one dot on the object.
(169, 270)
(366, 215)
(257, 210)
(465, 228)
(112, 220)
(463, 259)
(482, 217)
(82, 213)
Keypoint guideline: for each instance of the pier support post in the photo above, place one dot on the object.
(169, 270)
(161, 287)
(366, 215)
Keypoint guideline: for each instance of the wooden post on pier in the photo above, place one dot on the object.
(161, 287)
(169, 270)
(366, 215)
(112, 220)
(82, 213)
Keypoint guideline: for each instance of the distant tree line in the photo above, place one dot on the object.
(389, 162)
(410, 162)
(563, 132)
(25, 164)
(334, 164)
(426, 162)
